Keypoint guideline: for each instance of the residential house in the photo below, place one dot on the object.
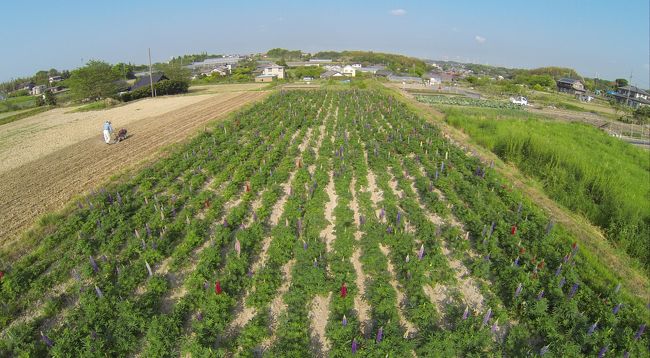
(383, 73)
(404, 79)
(144, 81)
(320, 60)
(53, 79)
(274, 70)
(212, 63)
(349, 71)
(440, 77)
(303, 64)
(36, 90)
(265, 78)
(370, 69)
(331, 73)
(570, 85)
(356, 65)
(27, 86)
(632, 96)
(333, 68)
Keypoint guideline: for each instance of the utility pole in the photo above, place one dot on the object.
(150, 75)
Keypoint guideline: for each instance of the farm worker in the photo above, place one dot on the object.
(107, 131)
(344, 290)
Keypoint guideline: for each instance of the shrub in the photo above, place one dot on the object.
(162, 88)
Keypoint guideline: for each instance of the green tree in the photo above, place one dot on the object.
(175, 72)
(95, 80)
(125, 71)
(49, 98)
(41, 78)
(621, 82)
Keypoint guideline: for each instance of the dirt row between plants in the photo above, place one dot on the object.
(48, 183)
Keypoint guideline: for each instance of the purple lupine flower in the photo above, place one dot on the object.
(94, 264)
(199, 316)
(487, 257)
(99, 292)
(315, 262)
(558, 270)
(148, 268)
(148, 229)
(518, 290)
(389, 229)
(574, 289)
(602, 352)
(46, 340)
(110, 199)
(382, 213)
(421, 252)
(487, 316)
(566, 258)
(492, 227)
(380, 334)
(355, 346)
(495, 326)
(304, 245)
(617, 308)
(626, 354)
(544, 350)
(442, 167)
(399, 217)
(225, 222)
(466, 313)
(344, 321)
(639, 332)
(79, 205)
(206, 285)
(592, 328)
(549, 227)
(516, 263)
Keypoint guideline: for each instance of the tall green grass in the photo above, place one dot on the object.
(584, 169)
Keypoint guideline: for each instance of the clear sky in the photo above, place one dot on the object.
(608, 39)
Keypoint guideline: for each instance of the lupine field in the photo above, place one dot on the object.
(316, 223)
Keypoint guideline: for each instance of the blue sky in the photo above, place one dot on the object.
(608, 39)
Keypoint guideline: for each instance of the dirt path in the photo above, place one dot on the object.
(400, 295)
(587, 235)
(277, 305)
(328, 232)
(318, 314)
(50, 182)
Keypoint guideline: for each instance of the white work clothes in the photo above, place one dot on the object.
(107, 136)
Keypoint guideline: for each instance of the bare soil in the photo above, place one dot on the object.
(50, 177)
(318, 314)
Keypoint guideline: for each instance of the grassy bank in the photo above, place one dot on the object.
(23, 114)
(605, 179)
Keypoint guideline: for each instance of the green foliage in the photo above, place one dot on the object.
(621, 82)
(95, 80)
(304, 71)
(642, 115)
(21, 115)
(124, 70)
(395, 63)
(579, 166)
(19, 93)
(535, 80)
(162, 88)
(175, 72)
(49, 99)
(284, 54)
(555, 72)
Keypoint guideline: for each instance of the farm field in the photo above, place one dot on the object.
(316, 223)
(49, 158)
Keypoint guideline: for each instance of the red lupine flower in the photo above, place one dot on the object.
(217, 288)
(344, 290)
(513, 229)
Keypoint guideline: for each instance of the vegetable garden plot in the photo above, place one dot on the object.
(315, 223)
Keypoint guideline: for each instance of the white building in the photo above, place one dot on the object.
(356, 65)
(38, 90)
(274, 70)
(349, 71)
